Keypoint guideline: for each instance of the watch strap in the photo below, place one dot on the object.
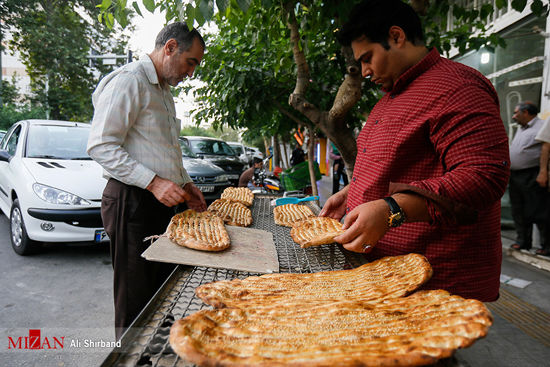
(394, 207)
(397, 216)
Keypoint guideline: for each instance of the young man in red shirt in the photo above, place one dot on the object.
(432, 161)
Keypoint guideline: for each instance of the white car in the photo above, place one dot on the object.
(254, 152)
(240, 150)
(50, 189)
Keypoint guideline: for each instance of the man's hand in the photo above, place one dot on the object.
(167, 192)
(365, 225)
(196, 200)
(542, 178)
(335, 207)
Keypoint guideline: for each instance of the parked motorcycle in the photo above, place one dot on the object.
(264, 181)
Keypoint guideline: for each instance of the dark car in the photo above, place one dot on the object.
(208, 177)
(217, 152)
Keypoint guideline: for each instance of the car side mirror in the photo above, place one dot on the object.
(4, 156)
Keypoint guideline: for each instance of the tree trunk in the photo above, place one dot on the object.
(311, 160)
(333, 122)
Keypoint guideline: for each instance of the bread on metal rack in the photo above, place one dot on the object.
(233, 213)
(389, 277)
(288, 214)
(407, 331)
(242, 195)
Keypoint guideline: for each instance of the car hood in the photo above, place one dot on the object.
(80, 177)
(224, 160)
(201, 167)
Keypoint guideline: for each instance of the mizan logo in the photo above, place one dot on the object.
(35, 341)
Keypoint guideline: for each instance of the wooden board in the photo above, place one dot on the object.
(251, 250)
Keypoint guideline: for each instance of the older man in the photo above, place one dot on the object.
(528, 199)
(134, 136)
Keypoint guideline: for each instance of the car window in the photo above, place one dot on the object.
(57, 142)
(11, 143)
(237, 149)
(214, 147)
(185, 150)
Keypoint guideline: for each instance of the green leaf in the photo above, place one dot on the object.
(137, 9)
(519, 5)
(537, 7)
(206, 8)
(105, 4)
(244, 5)
(190, 16)
(501, 3)
(109, 20)
(149, 5)
(222, 5)
(267, 3)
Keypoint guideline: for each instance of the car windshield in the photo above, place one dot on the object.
(185, 151)
(215, 147)
(57, 142)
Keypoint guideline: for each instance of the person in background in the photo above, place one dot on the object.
(527, 198)
(432, 159)
(247, 175)
(543, 177)
(297, 156)
(338, 168)
(134, 137)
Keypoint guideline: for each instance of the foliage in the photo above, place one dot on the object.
(10, 114)
(226, 134)
(54, 40)
(9, 92)
(196, 131)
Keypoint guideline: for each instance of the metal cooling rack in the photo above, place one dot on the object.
(146, 342)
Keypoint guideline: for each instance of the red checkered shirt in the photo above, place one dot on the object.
(438, 133)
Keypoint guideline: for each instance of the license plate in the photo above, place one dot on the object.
(101, 236)
(206, 188)
(233, 177)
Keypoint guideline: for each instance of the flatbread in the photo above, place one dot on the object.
(232, 213)
(242, 195)
(315, 231)
(412, 331)
(288, 214)
(200, 231)
(389, 277)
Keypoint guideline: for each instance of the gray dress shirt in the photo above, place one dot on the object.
(525, 150)
(135, 131)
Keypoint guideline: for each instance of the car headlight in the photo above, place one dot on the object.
(221, 178)
(56, 196)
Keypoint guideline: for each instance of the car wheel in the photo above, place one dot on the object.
(20, 241)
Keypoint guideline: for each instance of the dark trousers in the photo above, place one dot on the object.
(530, 205)
(129, 215)
(337, 172)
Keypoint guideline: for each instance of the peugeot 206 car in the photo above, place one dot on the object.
(50, 189)
(217, 152)
(208, 177)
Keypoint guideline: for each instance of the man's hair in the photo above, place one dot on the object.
(256, 160)
(374, 18)
(181, 33)
(528, 106)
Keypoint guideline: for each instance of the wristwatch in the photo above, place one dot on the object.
(397, 216)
